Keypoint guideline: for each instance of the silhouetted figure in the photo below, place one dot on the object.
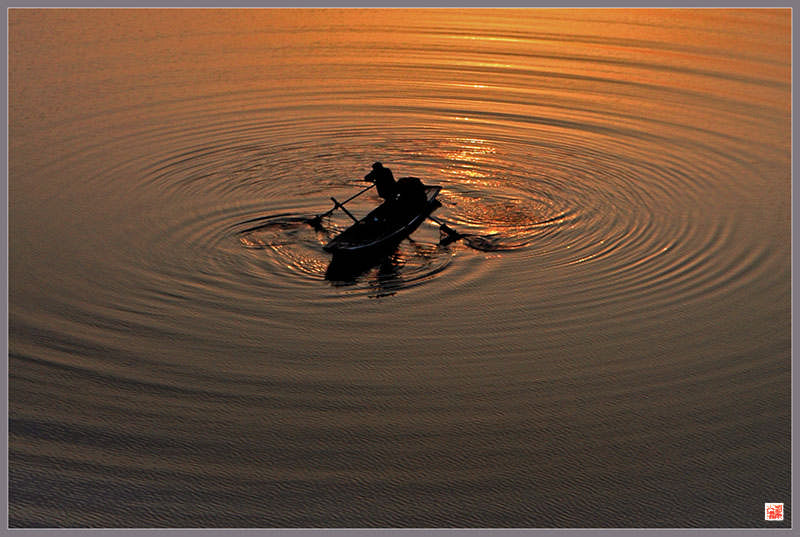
(407, 194)
(384, 180)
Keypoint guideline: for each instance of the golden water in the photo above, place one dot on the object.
(609, 347)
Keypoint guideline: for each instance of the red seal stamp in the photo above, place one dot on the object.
(773, 511)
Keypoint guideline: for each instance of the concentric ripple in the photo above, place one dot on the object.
(611, 324)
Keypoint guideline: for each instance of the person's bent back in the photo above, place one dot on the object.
(384, 180)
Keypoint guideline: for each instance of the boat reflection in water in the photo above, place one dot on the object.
(349, 270)
(390, 270)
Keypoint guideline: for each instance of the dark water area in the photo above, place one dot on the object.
(608, 347)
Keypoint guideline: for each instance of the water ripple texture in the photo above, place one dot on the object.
(607, 344)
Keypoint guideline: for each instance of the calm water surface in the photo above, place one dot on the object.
(610, 346)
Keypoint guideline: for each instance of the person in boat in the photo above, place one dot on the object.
(384, 180)
(408, 193)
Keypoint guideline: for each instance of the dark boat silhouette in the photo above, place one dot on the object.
(383, 228)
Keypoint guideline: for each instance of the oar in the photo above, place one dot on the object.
(315, 222)
(452, 234)
(337, 205)
(476, 242)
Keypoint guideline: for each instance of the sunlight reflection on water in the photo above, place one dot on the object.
(612, 332)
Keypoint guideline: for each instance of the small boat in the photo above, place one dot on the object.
(384, 227)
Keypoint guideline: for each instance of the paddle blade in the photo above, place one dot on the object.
(315, 222)
(448, 234)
